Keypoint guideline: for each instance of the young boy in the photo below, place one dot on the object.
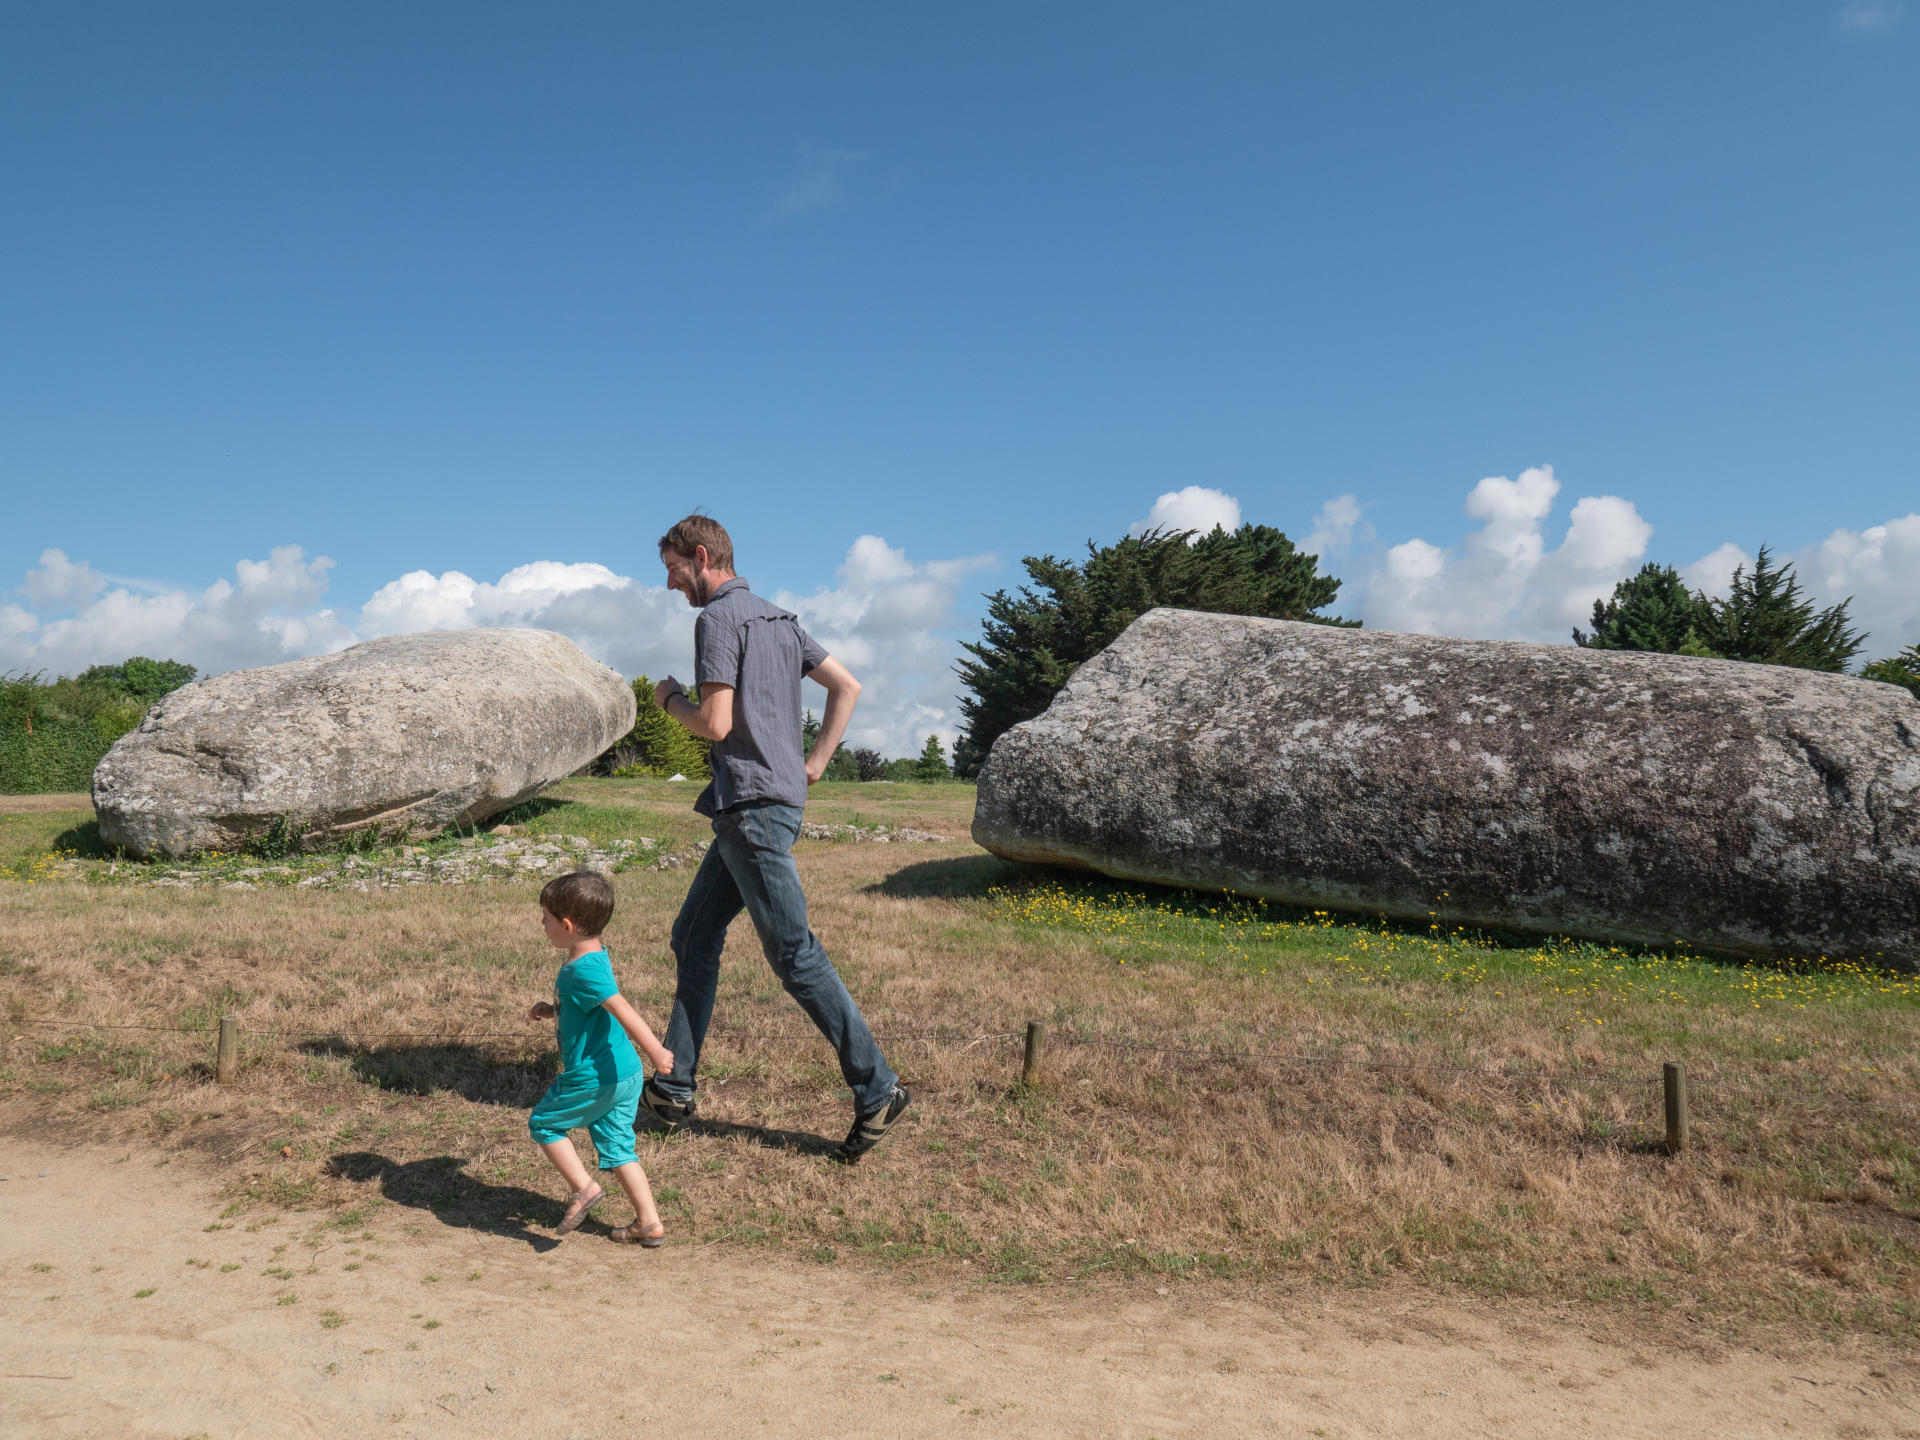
(600, 1075)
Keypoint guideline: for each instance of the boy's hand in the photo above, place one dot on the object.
(541, 1011)
(663, 1063)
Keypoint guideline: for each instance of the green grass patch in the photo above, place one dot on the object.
(1317, 948)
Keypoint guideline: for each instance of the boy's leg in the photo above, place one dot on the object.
(556, 1114)
(567, 1161)
(613, 1138)
(699, 935)
(633, 1180)
(756, 844)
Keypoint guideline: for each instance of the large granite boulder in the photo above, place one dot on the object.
(408, 734)
(1634, 798)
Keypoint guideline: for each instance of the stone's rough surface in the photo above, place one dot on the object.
(408, 735)
(1635, 798)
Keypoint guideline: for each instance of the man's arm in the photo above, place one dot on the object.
(842, 691)
(711, 719)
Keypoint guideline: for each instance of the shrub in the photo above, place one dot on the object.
(52, 735)
(1901, 669)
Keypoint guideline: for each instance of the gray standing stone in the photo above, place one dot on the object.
(1647, 799)
(408, 734)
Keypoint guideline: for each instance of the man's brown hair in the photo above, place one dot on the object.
(582, 897)
(701, 530)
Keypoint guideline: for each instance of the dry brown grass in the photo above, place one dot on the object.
(1797, 1201)
(45, 804)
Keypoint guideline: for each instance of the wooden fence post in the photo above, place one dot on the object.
(229, 1060)
(1036, 1039)
(1674, 1075)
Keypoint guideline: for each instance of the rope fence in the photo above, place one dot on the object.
(1672, 1079)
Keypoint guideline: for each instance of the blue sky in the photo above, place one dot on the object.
(470, 288)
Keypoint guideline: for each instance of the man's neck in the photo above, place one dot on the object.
(711, 581)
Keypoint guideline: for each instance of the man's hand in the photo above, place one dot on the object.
(541, 1011)
(665, 690)
(816, 765)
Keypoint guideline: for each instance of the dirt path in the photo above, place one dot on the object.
(584, 1338)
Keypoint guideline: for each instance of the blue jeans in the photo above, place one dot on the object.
(750, 867)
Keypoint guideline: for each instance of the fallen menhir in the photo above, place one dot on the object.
(1632, 798)
(406, 735)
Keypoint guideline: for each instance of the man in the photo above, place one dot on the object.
(749, 657)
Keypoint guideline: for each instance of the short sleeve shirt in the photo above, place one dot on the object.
(762, 652)
(594, 1048)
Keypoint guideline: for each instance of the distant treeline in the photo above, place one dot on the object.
(53, 732)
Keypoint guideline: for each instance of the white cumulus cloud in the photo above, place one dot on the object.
(1502, 581)
(889, 621)
(269, 611)
(1340, 525)
(1880, 568)
(56, 580)
(1194, 508)
(1713, 571)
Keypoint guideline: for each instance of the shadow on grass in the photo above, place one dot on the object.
(440, 1187)
(793, 1142)
(966, 877)
(469, 1071)
(528, 810)
(84, 840)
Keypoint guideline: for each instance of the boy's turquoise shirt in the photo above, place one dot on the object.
(594, 1048)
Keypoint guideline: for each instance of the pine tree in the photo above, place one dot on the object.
(658, 744)
(1767, 620)
(1033, 640)
(1653, 610)
(932, 764)
(1901, 669)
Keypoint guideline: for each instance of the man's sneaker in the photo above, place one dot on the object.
(667, 1113)
(869, 1130)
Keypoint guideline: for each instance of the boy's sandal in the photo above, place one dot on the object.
(650, 1237)
(578, 1204)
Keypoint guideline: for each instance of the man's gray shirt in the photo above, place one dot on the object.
(761, 651)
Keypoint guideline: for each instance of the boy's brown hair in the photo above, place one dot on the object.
(582, 897)
(701, 530)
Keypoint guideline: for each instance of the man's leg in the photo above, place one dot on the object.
(699, 935)
(756, 843)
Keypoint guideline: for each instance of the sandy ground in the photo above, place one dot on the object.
(586, 1338)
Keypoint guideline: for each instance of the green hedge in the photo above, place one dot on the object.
(54, 759)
